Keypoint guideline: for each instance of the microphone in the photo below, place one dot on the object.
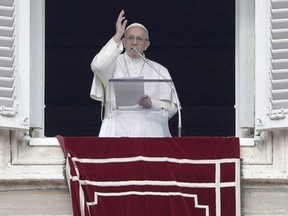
(169, 83)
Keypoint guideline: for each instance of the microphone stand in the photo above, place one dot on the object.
(172, 87)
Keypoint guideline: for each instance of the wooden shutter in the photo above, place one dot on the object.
(14, 100)
(8, 104)
(277, 80)
(279, 58)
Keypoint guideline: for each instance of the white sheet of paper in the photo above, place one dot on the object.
(128, 91)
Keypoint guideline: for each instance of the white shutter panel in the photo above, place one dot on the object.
(8, 104)
(277, 83)
(10, 112)
(279, 59)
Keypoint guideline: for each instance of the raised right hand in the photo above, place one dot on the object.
(120, 27)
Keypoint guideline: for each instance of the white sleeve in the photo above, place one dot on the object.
(103, 65)
(104, 62)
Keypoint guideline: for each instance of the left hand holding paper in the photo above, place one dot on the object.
(145, 102)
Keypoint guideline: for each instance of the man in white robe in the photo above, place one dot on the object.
(155, 107)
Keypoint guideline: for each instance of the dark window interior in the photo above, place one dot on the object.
(195, 40)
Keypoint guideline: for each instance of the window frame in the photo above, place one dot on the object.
(245, 64)
(253, 63)
(37, 87)
(34, 158)
(244, 70)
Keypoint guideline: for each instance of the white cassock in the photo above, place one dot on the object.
(110, 63)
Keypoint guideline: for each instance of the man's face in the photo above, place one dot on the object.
(135, 37)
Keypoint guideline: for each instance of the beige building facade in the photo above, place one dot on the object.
(32, 165)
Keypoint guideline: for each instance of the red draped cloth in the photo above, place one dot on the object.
(179, 176)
